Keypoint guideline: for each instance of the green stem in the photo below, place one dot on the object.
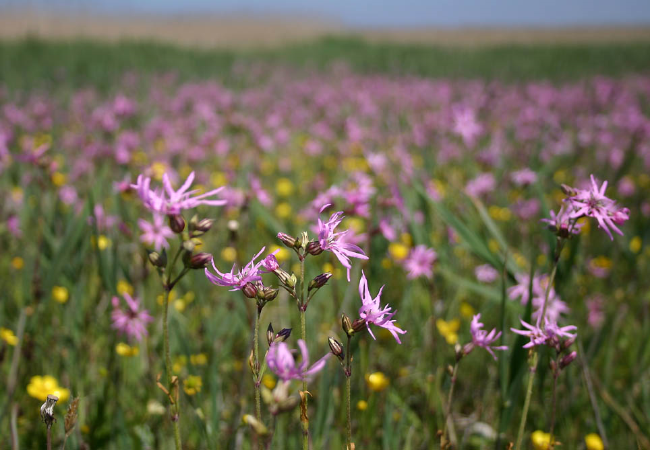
(551, 280)
(303, 330)
(529, 393)
(443, 438)
(258, 404)
(348, 382)
(168, 369)
(553, 407)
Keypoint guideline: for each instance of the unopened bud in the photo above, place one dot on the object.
(303, 240)
(459, 351)
(158, 259)
(336, 347)
(255, 368)
(200, 227)
(467, 348)
(249, 290)
(282, 335)
(320, 281)
(314, 248)
(189, 245)
(568, 359)
(358, 325)
(568, 342)
(269, 334)
(268, 294)
(346, 324)
(285, 278)
(568, 190)
(552, 365)
(258, 427)
(199, 261)
(176, 223)
(287, 240)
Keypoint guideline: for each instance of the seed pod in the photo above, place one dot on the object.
(320, 281)
(336, 347)
(199, 261)
(346, 324)
(250, 290)
(176, 223)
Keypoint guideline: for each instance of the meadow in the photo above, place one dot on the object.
(116, 281)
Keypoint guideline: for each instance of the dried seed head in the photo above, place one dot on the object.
(47, 410)
(71, 416)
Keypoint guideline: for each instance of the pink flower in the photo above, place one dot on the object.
(131, 321)
(482, 338)
(335, 242)
(562, 222)
(480, 185)
(420, 262)
(593, 203)
(168, 201)
(372, 313)
(549, 335)
(486, 273)
(523, 177)
(155, 234)
(248, 274)
(466, 125)
(282, 363)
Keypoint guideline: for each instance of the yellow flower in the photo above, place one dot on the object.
(40, 387)
(124, 349)
(58, 179)
(398, 251)
(448, 330)
(377, 381)
(229, 254)
(466, 310)
(406, 239)
(283, 210)
(103, 242)
(200, 359)
(636, 244)
(124, 286)
(179, 305)
(17, 262)
(386, 263)
(284, 187)
(268, 381)
(158, 169)
(8, 336)
(192, 384)
(594, 442)
(355, 224)
(362, 405)
(540, 440)
(60, 294)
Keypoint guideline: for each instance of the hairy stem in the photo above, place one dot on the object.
(258, 404)
(443, 438)
(529, 393)
(558, 250)
(553, 407)
(348, 382)
(168, 370)
(303, 330)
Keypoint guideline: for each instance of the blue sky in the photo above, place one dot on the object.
(397, 13)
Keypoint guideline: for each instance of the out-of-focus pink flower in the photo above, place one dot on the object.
(596, 315)
(480, 185)
(335, 242)
(549, 335)
(131, 321)
(372, 312)
(523, 177)
(466, 125)
(562, 222)
(485, 273)
(169, 201)
(282, 363)
(419, 262)
(13, 225)
(156, 233)
(481, 338)
(593, 203)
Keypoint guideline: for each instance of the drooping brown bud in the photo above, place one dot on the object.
(320, 281)
(568, 359)
(346, 324)
(250, 290)
(314, 248)
(176, 223)
(199, 261)
(336, 347)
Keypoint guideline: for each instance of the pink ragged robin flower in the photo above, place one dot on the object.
(250, 273)
(419, 262)
(547, 335)
(372, 313)
(481, 338)
(282, 362)
(131, 321)
(156, 233)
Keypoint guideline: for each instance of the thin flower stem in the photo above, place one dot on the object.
(551, 280)
(553, 407)
(273, 425)
(49, 438)
(258, 404)
(168, 369)
(443, 438)
(529, 393)
(303, 330)
(348, 382)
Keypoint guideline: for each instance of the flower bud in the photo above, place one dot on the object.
(269, 334)
(568, 190)
(189, 245)
(199, 261)
(268, 294)
(358, 325)
(158, 259)
(320, 281)
(568, 342)
(568, 359)
(346, 324)
(255, 368)
(176, 223)
(303, 240)
(284, 277)
(467, 348)
(287, 240)
(200, 227)
(314, 248)
(249, 290)
(282, 335)
(258, 427)
(336, 347)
